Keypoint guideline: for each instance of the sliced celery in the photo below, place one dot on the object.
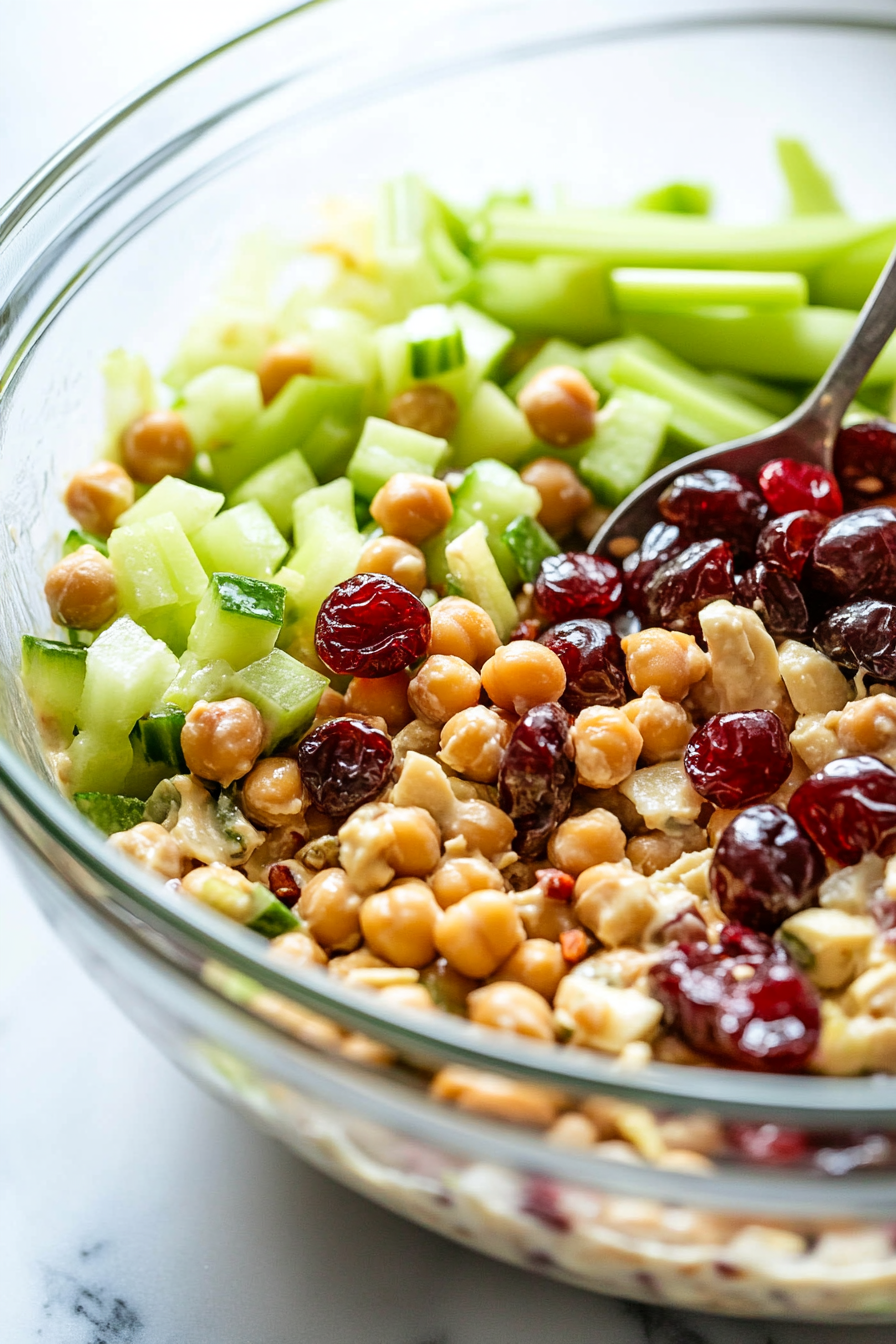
(219, 404)
(627, 445)
(191, 505)
(385, 448)
(811, 190)
(276, 486)
(435, 341)
(284, 691)
(552, 352)
(341, 344)
(529, 544)
(77, 538)
(778, 401)
(241, 540)
(491, 425)
(677, 198)
(638, 289)
(559, 295)
(476, 576)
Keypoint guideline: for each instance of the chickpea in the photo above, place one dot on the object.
(560, 405)
(152, 847)
(413, 997)
(157, 445)
(381, 697)
(473, 743)
(345, 968)
(563, 496)
(222, 741)
(656, 850)
(456, 878)
(443, 687)
(97, 496)
(573, 1130)
(397, 559)
(509, 1006)
(282, 362)
(523, 674)
(580, 842)
(298, 949)
(462, 629)
(412, 506)
(379, 840)
(497, 1096)
(80, 590)
(666, 659)
(484, 827)
(222, 888)
(607, 746)
(664, 726)
(272, 792)
(398, 923)
(869, 725)
(428, 408)
(478, 933)
(418, 737)
(614, 902)
(537, 963)
(331, 705)
(542, 916)
(331, 908)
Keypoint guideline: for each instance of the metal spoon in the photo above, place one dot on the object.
(807, 434)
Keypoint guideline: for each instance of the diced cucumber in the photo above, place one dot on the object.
(238, 620)
(53, 677)
(627, 445)
(529, 544)
(276, 486)
(551, 353)
(435, 341)
(485, 341)
(269, 917)
(563, 296)
(159, 577)
(198, 680)
(677, 198)
(231, 332)
(317, 415)
(159, 737)
(394, 361)
(476, 576)
(241, 540)
(110, 812)
(328, 506)
(386, 448)
(219, 404)
(491, 424)
(341, 344)
(126, 673)
(434, 547)
(494, 494)
(284, 691)
(130, 392)
(143, 776)
(77, 538)
(327, 548)
(191, 505)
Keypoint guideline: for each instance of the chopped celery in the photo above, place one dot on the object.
(276, 486)
(269, 916)
(811, 190)
(219, 404)
(241, 540)
(110, 812)
(385, 448)
(551, 353)
(159, 737)
(597, 362)
(491, 424)
(327, 508)
(848, 278)
(677, 198)
(627, 445)
(300, 410)
(235, 333)
(159, 577)
(130, 392)
(284, 691)
(796, 346)
(418, 257)
(639, 289)
(529, 544)
(476, 576)
(561, 296)
(341, 344)
(191, 505)
(327, 548)
(494, 494)
(238, 620)
(778, 401)
(435, 341)
(53, 677)
(198, 680)
(77, 538)
(485, 341)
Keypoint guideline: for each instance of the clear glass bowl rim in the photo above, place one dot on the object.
(200, 935)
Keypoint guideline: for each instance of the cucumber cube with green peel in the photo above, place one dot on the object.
(53, 677)
(269, 916)
(238, 620)
(159, 737)
(198, 680)
(491, 424)
(110, 812)
(435, 341)
(284, 691)
(241, 540)
(494, 494)
(627, 445)
(317, 513)
(474, 574)
(386, 448)
(192, 505)
(328, 544)
(276, 486)
(159, 577)
(485, 340)
(77, 538)
(529, 544)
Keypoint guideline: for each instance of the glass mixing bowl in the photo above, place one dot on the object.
(117, 242)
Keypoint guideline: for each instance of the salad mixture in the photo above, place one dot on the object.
(339, 665)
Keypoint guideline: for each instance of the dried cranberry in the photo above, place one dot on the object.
(769, 590)
(593, 660)
(861, 634)
(849, 808)
(770, 1145)
(741, 1000)
(788, 540)
(678, 590)
(764, 868)
(370, 626)
(735, 759)
(282, 882)
(662, 542)
(788, 485)
(865, 462)
(537, 776)
(855, 556)
(577, 584)
(715, 503)
(344, 763)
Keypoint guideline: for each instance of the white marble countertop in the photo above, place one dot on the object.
(133, 1208)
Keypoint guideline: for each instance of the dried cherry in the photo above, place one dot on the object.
(678, 590)
(788, 485)
(577, 584)
(371, 626)
(592, 657)
(861, 634)
(537, 776)
(855, 556)
(849, 808)
(715, 503)
(735, 759)
(344, 763)
(764, 868)
(788, 540)
(865, 462)
(661, 543)
(776, 599)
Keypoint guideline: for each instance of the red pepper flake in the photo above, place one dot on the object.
(573, 945)
(282, 882)
(556, 885)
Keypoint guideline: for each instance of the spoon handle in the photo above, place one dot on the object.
(827, 405)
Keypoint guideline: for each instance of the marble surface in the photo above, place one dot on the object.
(133, 1208)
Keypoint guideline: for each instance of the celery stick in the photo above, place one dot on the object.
(627, 445)
(778, 401)
(677, 198)
(848, 278)
(796, 346)
(659, 290)
(560, 296)
(418, 257)
(811, 190)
